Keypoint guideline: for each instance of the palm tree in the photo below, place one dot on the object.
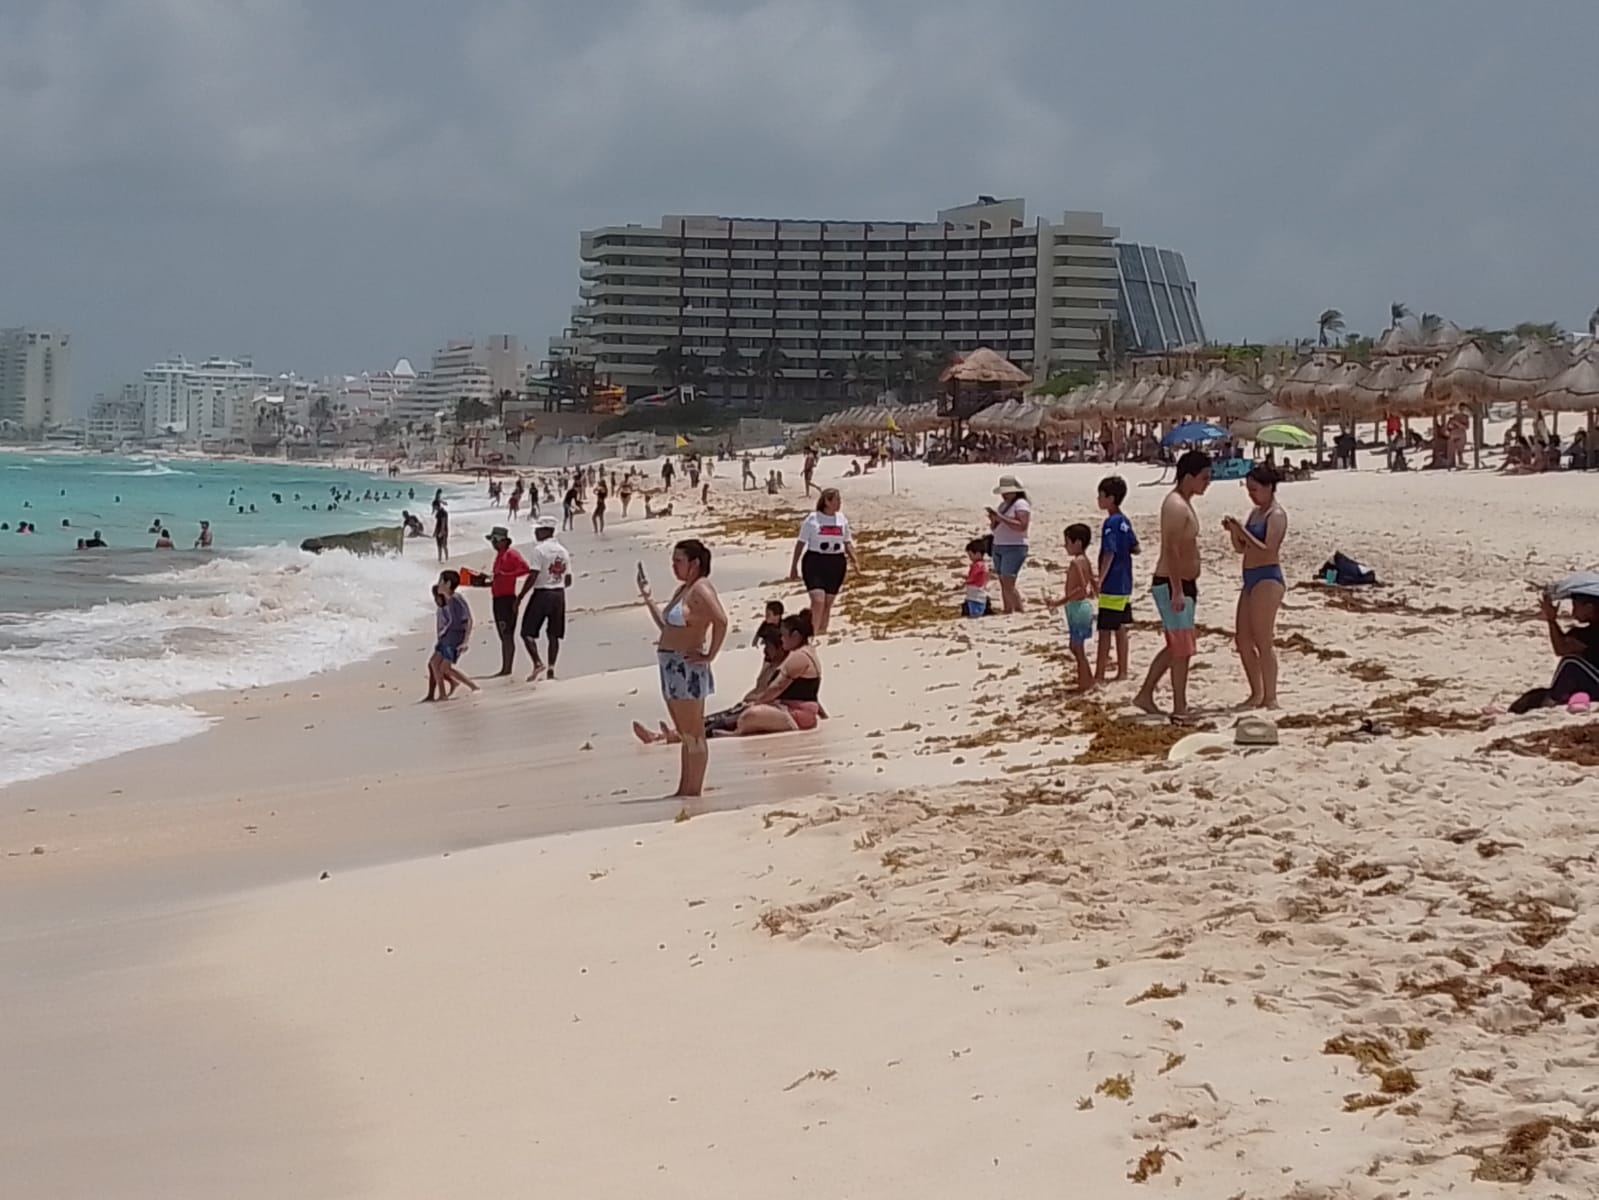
(1491, 339)
(670, 362)
(321, 415)
(1328, 326)
(836, 371)
(1397, 312)
(910, 370)
(1548, 331)
(730, 365)
(1431, 322)
(769, 366)
(864, 373)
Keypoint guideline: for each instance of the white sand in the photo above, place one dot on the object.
(948, 936)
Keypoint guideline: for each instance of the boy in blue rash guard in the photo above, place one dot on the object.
(1117, 545)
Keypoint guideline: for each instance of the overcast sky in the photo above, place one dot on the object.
(331, 184)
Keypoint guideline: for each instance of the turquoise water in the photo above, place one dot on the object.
(123, 497)
(98, 648)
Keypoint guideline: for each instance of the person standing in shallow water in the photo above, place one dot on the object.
(1259, 539)
(1175, 587)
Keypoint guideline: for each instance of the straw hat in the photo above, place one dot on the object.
(1007, 485)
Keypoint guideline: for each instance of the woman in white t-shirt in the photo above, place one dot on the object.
(823, 555)
(1010, 522)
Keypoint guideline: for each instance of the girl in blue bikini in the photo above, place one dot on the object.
(1259, 539)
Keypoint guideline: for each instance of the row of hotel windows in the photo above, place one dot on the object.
(813, 265)
(799, 353)
(990, 280)
(816, 246)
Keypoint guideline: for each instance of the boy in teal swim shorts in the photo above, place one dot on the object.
(1078, 601)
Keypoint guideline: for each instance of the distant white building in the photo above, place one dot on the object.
(35, 378)
(117, 419)
(461, 370)
(209, 401)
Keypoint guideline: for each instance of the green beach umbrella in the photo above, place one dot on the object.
(1288, 436)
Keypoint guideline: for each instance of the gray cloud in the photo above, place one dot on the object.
(331, 185)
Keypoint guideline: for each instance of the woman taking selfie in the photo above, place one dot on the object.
(693, 626)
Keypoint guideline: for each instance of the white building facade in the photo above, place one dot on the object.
(211, 401)
(35, 378)
(825, 292)
(462, 370)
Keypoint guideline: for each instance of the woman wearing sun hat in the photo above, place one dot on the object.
(1009, 522)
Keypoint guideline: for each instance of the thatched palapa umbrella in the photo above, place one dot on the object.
(1576, 389)
(1245, 428)
(1413, 396)
(1527, 370)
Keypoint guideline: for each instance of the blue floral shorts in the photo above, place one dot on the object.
(683, 680)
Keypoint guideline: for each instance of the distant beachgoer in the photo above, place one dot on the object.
(1576, 652)
(823, 554)
(748, 482)
(438, 499)
(1117, 545)
(1078, 601)
(514, 504)
(550, 576)
(1175, 586)
(442, 623)
(808, 471)
(95, 543)
(1009, 523)
(203, 542)
(441, 530)
(570, 503)
(667, 472)
(692, 626)
(164, 541)
(601, 494)
(625, 492)
(1259, 539)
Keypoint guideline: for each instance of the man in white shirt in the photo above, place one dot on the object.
(550, 576)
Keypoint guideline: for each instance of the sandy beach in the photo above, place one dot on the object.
(973, 936)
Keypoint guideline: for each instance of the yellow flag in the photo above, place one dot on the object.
(893, 425)
(681, 441)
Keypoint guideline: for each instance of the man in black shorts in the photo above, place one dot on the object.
(551, 575)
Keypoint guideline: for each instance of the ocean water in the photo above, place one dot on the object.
(97, 648)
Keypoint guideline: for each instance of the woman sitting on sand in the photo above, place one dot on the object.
(769, 638)
(1259, 539)
(786, 697)
(1577, 649)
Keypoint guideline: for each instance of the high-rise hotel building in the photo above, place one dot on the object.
(1042, 293)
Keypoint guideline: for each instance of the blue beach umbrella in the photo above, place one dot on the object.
(1192, 432)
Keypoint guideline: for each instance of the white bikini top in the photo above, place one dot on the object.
(676, 607)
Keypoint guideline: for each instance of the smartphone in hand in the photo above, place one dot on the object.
(643, 580)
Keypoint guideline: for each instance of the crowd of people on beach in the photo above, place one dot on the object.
(1095, 601)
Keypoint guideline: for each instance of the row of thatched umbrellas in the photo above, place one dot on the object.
(1410, 377)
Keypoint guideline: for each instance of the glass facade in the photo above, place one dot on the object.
(1157, 302)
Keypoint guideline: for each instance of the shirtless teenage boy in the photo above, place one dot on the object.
(1176, 584)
